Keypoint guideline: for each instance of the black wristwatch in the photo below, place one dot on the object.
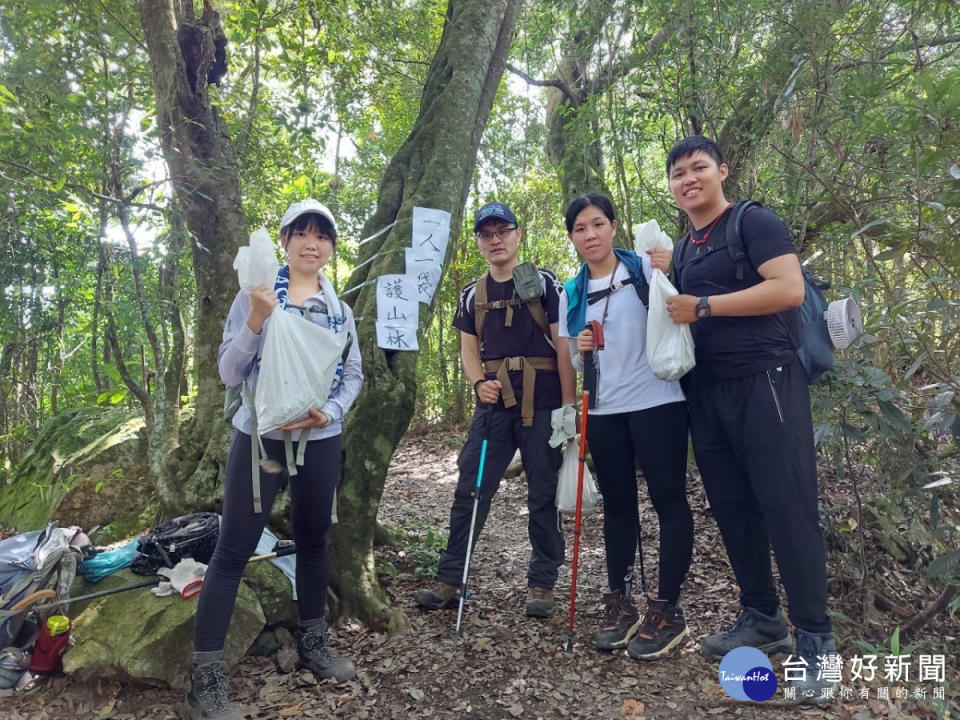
(703, 308)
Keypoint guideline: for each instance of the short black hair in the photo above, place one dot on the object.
(691, 144)
(305, 222)
(590, 199)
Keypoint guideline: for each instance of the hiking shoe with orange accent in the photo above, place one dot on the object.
(620, 621)
(439, 596)
(539, 602)
(662, 629)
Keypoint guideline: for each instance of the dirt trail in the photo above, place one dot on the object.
(505, 665)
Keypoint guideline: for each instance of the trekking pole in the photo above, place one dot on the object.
(473, 517)
(591, 373)
(643, 575)
(281, 548)
(590, 381)
(577, 516)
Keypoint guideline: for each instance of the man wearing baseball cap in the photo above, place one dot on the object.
(508, 337)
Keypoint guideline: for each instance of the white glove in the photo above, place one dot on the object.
(563, 420)
(184, 573)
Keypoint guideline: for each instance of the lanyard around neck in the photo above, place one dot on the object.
(706, 235)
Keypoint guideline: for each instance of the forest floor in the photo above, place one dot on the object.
(506, 666)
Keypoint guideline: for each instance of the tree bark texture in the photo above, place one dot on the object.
(433, 168)
(574, 145)
(186, 54)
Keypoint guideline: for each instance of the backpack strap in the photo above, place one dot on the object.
(539, 316)
(529, 367)
(734, 243)
(254, 449)
(679, 252)
(480, 306)
(638, 283)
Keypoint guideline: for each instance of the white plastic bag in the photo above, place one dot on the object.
(567, 482)
(669, 346)
(256, 264)
(296, 370)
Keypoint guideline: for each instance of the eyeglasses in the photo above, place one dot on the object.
(502, 234)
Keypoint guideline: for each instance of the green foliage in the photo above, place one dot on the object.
(422, 547)
(840, 116)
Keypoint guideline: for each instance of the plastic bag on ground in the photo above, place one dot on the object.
(567, 482)
(670, 351)
(256, 264)
(297, 369)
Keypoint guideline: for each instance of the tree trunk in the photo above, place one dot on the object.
(433, 169)
(574, 145)
(203, 170)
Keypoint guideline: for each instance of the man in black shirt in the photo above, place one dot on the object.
(509, 355)
(750, 413)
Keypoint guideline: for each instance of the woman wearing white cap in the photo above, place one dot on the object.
(308, 233)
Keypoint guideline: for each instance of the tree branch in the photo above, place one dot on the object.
(558, 84)
(922, 617)
(912, 47)
(614, 71)
(87, 191)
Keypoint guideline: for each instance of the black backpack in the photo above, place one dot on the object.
(190, 536)
(814, 346)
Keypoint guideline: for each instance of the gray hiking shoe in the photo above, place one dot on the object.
(813, 649)
(662, 629)
(207, 699)
(767, 633)
(439, 596)
(317, 654)
(539, 602)
(620, 622)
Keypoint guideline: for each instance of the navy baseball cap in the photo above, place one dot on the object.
(493, 211)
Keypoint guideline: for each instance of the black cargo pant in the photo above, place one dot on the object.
(753, 439)
(505, 434)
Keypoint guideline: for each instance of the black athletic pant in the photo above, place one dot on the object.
(753, 439)
(656, 440)
(311, 502)
(541, 462)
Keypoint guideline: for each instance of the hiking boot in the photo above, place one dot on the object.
(620, 621)
(317, 654)
(207, 699)
(662, 629)
(812, 648)
(539, 602)
(767, 633)
(439, 596)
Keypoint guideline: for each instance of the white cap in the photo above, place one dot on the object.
(307, 206)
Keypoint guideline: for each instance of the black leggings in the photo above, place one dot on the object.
(311, 502)
(656, 440)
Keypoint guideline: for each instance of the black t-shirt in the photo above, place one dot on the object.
(522, 338)
(738, 346)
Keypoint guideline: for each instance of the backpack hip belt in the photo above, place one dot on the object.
(529, 367)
